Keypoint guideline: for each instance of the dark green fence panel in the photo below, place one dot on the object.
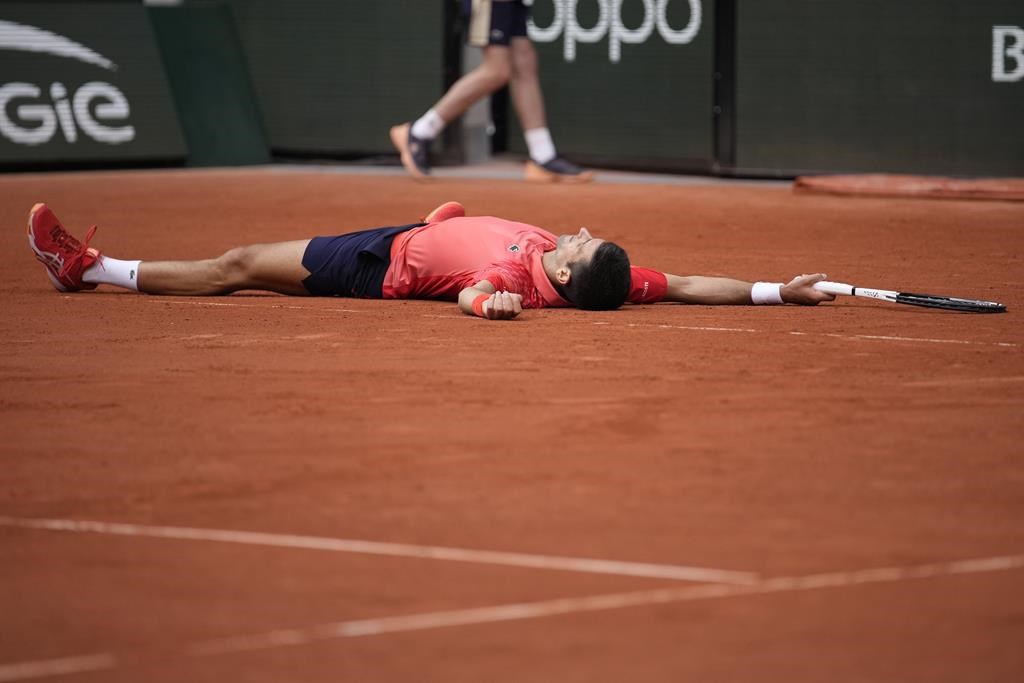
(210, 80)
(919, 86)
(332, 77)
(82, 84)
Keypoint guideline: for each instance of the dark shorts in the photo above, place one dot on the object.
(493, 22)
(350, 265)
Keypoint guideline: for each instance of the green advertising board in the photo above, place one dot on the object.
(82, 83)
(627, 81)
(332, 77)
(918, 86)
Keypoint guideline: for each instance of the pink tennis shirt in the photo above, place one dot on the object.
(439, 260)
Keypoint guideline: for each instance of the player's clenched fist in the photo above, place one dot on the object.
(503, 306)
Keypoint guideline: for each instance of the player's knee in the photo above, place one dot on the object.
(234, 266)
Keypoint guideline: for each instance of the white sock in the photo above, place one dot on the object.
(542, 148)
(110, 271)
(428, 126)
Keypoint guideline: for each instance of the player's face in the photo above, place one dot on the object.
(579, 247)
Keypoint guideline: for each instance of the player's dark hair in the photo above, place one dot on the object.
(602, 284)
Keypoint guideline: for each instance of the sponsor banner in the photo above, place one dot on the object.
(82, 83)
(627, 81)
(916, 86)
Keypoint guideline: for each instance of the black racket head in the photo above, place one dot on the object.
(950, 303)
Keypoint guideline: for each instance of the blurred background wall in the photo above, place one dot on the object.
(729, 87)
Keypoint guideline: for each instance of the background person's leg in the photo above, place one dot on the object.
(493, 73)
(271, 267)
(524, 85)
(413, 140)
(528, 98)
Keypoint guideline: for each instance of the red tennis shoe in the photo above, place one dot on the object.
(64, 256)
(444, 212)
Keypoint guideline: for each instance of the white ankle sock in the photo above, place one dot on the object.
(428, 126)
(542, 148)
(110, 271)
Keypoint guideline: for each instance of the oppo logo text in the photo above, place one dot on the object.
(609, 23)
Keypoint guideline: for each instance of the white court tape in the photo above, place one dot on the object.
(835, 335)
(512, 612)
(427, 552)
(880, 337)
(311, 309)
(63, 666)
(965, 381)
(594, 603)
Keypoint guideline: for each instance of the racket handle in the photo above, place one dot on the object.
(834, 288)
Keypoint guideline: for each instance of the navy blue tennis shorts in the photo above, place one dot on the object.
(494, 22)
(351, 265)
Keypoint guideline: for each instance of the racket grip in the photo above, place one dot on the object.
(834, 288)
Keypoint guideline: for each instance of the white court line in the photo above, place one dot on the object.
(700, 329)
(593, 603)
(965, 381)
(529, 610)
(880, 337)
(21, 671)
(869, 337)
(427, 552)
(312, 309)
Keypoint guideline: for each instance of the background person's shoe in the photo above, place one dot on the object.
(415, 153)
(558, 170)
(444, 212)
(64, 256)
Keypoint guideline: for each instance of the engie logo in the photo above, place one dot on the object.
(609, 23)
(30, 116)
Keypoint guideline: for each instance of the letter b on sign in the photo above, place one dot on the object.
(1007, 53)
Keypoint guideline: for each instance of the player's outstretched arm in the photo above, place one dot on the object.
(699, 289)
(483, 300)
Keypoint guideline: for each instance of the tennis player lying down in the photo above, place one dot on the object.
(492, 267)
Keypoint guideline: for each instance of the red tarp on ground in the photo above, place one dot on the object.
(886, 185)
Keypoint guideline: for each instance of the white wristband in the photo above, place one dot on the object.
(766, 293)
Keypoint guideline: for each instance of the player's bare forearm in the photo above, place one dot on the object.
(718, 291)
(710, 291)
(482, 300)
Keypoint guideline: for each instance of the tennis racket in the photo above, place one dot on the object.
(949, 303)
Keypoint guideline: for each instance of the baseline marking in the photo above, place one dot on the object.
(427, 552)
(56, 667)
(294, 308)
(526, 610)
(869, 337)
(965, 380)
(595, 603)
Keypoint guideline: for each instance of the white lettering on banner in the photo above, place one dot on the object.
(1002, 52)
(115, 108)
(15, 36)
(39, 113)
(111, 107)
(609, 22)
(94, 108)
(58, 93)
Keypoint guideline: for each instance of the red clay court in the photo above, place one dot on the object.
(261, 488)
